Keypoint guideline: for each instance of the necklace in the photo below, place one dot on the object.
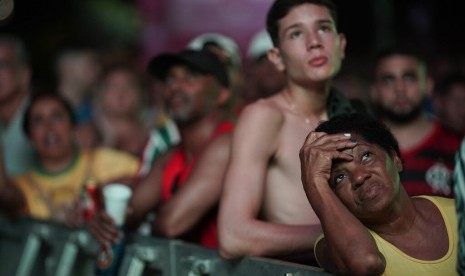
(294, 108)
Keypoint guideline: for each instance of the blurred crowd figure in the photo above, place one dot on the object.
(121, 110)
(52, 185)
(78, 71)
(195, 95)
(353, 80)
(401, 86)
(163, 133)
(262, 79)
(15, 89)
(230, 55)
(448, 98)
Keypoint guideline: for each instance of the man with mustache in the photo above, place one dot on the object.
(185, 183)
(399, 91)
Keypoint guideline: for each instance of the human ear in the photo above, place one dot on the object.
(274, 55)
(342, 45)
(398, 162)
(223, 96)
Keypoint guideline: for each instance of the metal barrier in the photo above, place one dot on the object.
(31, 247)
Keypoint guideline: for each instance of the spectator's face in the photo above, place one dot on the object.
(189, 95)
(369, 184)
(120, 93)
(400, 87)
(51, 130)
(13, 76)
(80, 69)
(310, 47)
(264, 79)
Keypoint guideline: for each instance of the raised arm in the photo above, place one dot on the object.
(241, 232)
(199, 194)
(348, 247)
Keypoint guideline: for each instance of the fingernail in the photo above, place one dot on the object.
(347, 134)
(353, 140)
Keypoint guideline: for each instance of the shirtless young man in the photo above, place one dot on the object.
(263, 209)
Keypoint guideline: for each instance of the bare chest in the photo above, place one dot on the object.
(285, 200)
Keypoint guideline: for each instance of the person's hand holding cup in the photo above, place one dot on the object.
(116, 197)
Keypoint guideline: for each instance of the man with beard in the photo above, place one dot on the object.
(184, 184)
(399, 90)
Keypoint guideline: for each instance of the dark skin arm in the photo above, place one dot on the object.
(354, 252)
(145, 197)
(180, 213)
(183, 211)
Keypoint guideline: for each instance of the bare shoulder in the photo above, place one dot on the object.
(220, 144)
(266, 112)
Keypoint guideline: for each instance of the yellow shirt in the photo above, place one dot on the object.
(399, 263)
(63, 187)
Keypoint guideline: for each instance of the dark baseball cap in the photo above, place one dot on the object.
(203, 62)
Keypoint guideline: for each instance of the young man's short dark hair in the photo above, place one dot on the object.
(281, 8)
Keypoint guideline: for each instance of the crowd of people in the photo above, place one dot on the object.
(254, 155)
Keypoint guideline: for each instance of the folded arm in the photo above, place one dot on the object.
(199, 194)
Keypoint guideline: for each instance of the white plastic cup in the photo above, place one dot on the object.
(116, 197)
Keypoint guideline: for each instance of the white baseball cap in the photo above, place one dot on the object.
(259, 45)
(226, 43)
